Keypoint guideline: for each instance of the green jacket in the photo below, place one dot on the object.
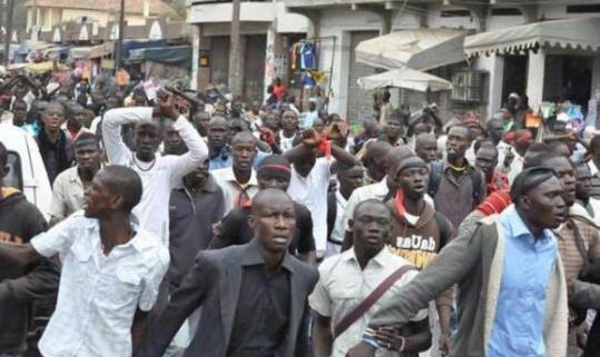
(474, 260)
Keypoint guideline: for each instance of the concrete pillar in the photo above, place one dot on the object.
(387, 18)
(195, 57)
(535, 78)
(338, 103)
(494, 65)
(270, 62)
(596, 75)
(241, 78)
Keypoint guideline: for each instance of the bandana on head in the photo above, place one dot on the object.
(275, 166)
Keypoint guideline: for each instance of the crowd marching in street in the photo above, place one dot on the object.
(196, 225)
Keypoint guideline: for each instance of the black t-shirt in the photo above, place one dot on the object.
(236, 231)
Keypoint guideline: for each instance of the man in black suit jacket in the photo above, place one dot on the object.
(254, 296)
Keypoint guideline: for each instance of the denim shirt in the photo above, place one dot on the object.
(528, 264)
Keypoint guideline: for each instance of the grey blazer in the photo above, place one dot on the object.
(214, 283)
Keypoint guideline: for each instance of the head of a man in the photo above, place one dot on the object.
(174, 144)
(147, 139)
(413, 177)
(274, 172)
(289, 121)
(3, 163)
(349, 177)
(114, 189)
(201, 120)
(595, 148)
(87, 152)
(393, 128)
(53, 117)
(375, 159)
(372, 128)
(584, 182)
(563, 170)
(243, 151)
(459, 140)
(394, 161)
(197, 178)
(494, 130)
(273, 220)
(217, 132)
(272, 121)
(538, 196)
(19, 111)
(236, 126)
(371, 227)
(426, 147)
(319, 126)
(486, 159)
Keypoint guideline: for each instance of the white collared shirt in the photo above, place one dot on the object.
(343, 286)
(67, 194)
(225, 178)
(311, 191)
(98, 294)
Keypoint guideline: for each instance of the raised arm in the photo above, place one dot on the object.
(118, 153)
(197, 150)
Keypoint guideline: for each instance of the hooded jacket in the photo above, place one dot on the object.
(20, 286)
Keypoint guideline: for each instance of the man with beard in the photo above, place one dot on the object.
(238, 182)
(253, 296)
(160, 174)
(499, 264)
(70, 185)
(456, 186)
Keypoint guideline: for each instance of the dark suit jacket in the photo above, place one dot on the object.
(214, 283)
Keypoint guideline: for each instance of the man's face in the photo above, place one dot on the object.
(278, 182)
(199, 176)
(274, 224)
(351, 179)
(414, 181)
(393, 130)
(584, 182)
(371, 228)
(289, 121)
(243, 153)
(88, 156)
(82, 118)
(97, 198)
(173, 141)
(486, 161)
(421, 128)
(427, 150)
(217, 134)
(272, 122)
(495, 131)
(546, 204)
(53, 117)
(201, 121)
(19, 112)
(457, 143)
(147, 140)
(566, 175)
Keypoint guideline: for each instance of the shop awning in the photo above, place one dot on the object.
(405, 78)
(102, 50)
(420, 49)
(79, 52)
(175, 56)
(581, 34)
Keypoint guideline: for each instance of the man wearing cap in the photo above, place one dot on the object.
(512, 289)
(273, 172)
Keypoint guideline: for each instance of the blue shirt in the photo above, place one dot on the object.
(225, 160)
(521, 305)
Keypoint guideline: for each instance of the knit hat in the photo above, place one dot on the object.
(275, 166)
(529, 179)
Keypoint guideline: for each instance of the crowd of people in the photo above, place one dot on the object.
(191, 225)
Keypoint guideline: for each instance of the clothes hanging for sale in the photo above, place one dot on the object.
(308, 56)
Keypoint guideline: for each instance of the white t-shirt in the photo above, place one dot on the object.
(311, 191)
(160, 176)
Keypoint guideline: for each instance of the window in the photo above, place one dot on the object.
(583, 9)
(14, 177)
(507, 11)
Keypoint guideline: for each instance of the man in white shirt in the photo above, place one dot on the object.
(346, 280)
(350, 178)
(69, 186)
(238, 182)
(310, 178)
(110, 274)
(160, 174)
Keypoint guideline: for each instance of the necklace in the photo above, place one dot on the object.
(141, 168)
(456, 168)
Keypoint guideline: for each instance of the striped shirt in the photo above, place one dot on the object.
(595, 179)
